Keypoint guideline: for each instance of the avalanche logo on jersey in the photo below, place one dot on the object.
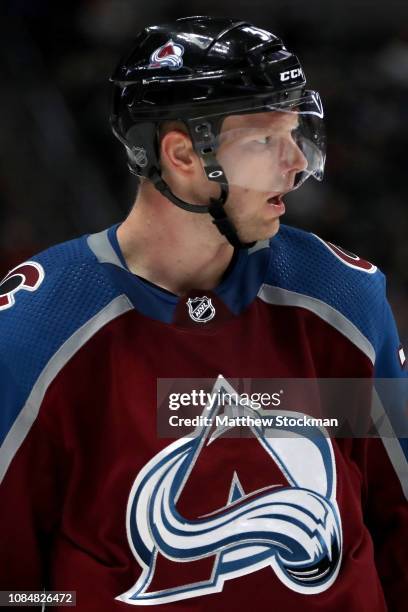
(28, 276)
(349, 259)
(295, 529)
(169, 55)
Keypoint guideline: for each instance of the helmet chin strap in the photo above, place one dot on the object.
(215, 209)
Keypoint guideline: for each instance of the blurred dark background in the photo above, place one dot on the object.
(63, 174)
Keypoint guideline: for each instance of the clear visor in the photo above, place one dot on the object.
(273, 148)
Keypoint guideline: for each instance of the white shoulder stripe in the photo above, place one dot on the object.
(102, 249)
(30, 410)
(283, 297)
(259, 246)
(390, 440)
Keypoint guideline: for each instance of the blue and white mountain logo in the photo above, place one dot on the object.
(201, 309)
(169, 55)
(293, 528)
(27, 276)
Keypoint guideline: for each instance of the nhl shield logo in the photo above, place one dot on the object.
(201, 309)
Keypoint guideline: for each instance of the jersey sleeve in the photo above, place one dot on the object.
(40, 329)
(387, 467)
(29, 494)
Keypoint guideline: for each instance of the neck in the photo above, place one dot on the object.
(170, 247)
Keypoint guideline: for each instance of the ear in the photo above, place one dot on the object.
(177, 152)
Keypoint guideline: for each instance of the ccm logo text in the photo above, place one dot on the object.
(291, 74)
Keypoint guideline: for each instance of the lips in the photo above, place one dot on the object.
(277, 203)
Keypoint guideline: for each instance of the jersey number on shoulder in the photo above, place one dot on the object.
(28, 275)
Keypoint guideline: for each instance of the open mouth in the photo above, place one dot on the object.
(276, 202)
(275, 199)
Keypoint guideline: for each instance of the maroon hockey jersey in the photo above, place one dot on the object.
(94, 500)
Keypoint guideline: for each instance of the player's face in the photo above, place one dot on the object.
(260, 159)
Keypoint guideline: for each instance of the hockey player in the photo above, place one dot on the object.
(200, 281)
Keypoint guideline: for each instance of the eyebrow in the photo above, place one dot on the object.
(252, 130)
(272, 124)
(267, 129)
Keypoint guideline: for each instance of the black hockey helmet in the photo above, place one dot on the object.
(199, 70)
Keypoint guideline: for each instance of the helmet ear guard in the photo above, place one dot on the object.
(145, 162)
(142, 148)
(204, 135)
(142, 144)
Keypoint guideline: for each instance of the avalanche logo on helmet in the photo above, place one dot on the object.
(169, 55)
(295, 529)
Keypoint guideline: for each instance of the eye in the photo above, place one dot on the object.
(263, 140)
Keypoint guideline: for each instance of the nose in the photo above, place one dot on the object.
(292, 158)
